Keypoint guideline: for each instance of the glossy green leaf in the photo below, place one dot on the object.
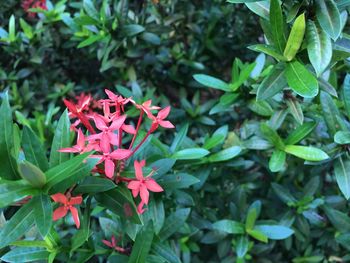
(212, 82)
(296, 110)
(165, 251)
(90, 40)
(8, 164)
(90, 9)
(278, 25)
(27, 29)
(25, 254)
(301, 80)
(93, 184)
(258, 235)
(43, 213)
(229, 226)
(277, 161)
(242, 246)
(272, 84)
(342, 137)
(340, 220)
(346, 94)
(275, 232)
(328, 16)
(60, 140)
(268, 50)
(133, 29)
(18, 225)
(173, 223)
(14, 191)
(342, 175)
(225, 154)
(65, 170)
(295, 38)
(330, 112)
(300, 132)
(178, 181)
(179, 138)
(319, 47)
(33, 149)
(283, 194)
(217, 138)
(272, 136)
(306, 152)
(12, 29)
(189, 154)
(260, 107)
(142, 245)
(260, 8)
(119, 200)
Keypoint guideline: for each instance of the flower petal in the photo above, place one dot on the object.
(138, 170)
(144, 194)
(81, 139)
(99, 122)
(117, 122)
(166, 124)
(133, 185)
(107, 243)
(75, 215)
(120, 154)
(162, 114)
(59, 198)
(129, 129)
(76, 200)
(153, 186)
(59, 213)
(109, 168)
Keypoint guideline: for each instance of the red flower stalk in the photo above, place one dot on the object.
(67, 203)
(28, 4)
(142, 185)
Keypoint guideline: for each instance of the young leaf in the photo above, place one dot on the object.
(242, 246)
(212, 82)
(32, 174)
(33, 149)
(60, 140)
(295, 38)
(142, 244)
(342, 175)
(301, 80)
(268, 50)
(272, 136)
(12, 29)
(275, 232)
(278, 25)
(258, 235)
(8, 164)
(328, 16)
(319, 47)
(272, 84)
(277, 160)
(42, 207)
(306, 152)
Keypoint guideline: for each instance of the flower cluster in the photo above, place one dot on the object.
(103, 127)
(28, 4)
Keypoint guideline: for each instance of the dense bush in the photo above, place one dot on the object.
(256, 169)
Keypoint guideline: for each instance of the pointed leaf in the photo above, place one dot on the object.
(342, 175)
(295, 38)
(268, 50)
(142, 244)
(225, 154)
(296, 110)
(300, 133)
(306, 152)
(212, 82)
(277, 160)
(42, 207)
(328, 16)
(174, 222)
(278, 25)
(272, 84)
(275, 232)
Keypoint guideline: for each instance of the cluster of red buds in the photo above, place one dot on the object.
(28, 4)
(103, 127)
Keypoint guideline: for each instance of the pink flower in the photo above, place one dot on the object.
(113, 244)
(159, 120)
(147, 107)
(80, 146)
(143, 184)
(27, 4)
(67, 203)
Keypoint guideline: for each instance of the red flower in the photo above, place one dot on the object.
(142, 184)
(28, 4)
(80, 146)
(113, 244)
(67, 203)
(159, 120)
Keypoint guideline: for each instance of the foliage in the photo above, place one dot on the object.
(257, 169)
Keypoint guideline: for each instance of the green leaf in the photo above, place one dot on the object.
(268, 50)
(342, 175)
(260, 8)
(156, 209)
(251, 218)
(277, 161)
(26, 254)
(189, 154)
(165, 251)
(217, 138)
(346, 94)
(42, 207)
(229, 226)
(283, 194)
(275, 232)
(342, 137)
(300, 133)
(174, 222)
(272, 84)
(301, 80)
(60, 140)
(272, 136)
(258, 235)
(133, 30)
(90, 9)
(12, 29)
(242, 246)
(330, 112)
(32, 174)
(319, 47)
(120, 202)
(33, 149)
(278, 25)
(18, 225)
(306, 152)
(178, 181)
(14, 191)
(212, 82)
(64, 170)
(328, 16)
(296, 110)
(27, 29)
(93, 184)
(295, 38)
(225, 154)
(241, 1)
(8, 164)
(142, 244)
(339, 220)
(179, 138)
(90, 40)
(260, 107)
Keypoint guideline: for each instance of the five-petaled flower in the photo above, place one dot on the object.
(160, 119)
(113, 244)
(143, 184)
(67, 204)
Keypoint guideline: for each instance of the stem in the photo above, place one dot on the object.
(137, 129)
(143, 140)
